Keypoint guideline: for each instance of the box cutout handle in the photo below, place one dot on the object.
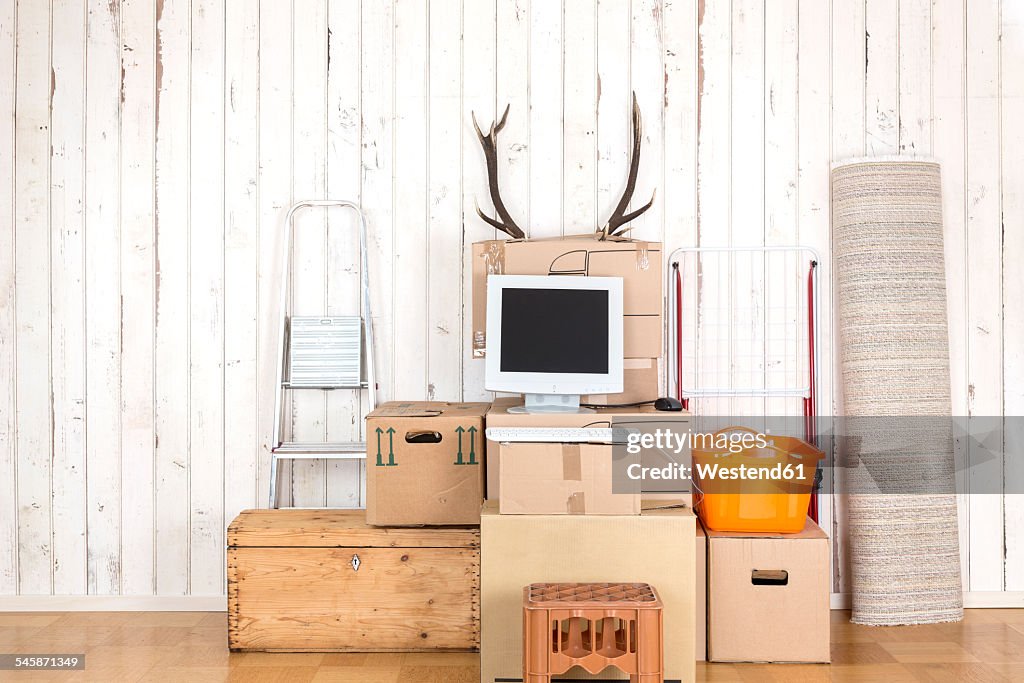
(769, 577)
(423, 437)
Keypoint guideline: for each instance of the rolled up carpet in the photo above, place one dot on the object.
(894, 360)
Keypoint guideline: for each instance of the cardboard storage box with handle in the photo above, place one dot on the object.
(768, 596)
(425, 463)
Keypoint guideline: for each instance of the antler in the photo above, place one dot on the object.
(506, 224)
(619, 217)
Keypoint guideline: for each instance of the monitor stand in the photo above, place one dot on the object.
(551, 403)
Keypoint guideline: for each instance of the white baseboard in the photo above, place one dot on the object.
(972, 600)
(113, 603)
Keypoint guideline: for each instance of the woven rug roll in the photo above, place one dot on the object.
(894, 358)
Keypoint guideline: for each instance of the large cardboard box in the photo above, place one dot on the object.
(560, 479)
(768, 596)
(701, 552)
(498, 416)
(424, 463)
(325, 581)
(639, 383)
(638, 263)
(655, 547)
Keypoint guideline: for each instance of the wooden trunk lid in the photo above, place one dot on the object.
(338, 529)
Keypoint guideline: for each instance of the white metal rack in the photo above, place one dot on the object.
(742, 334)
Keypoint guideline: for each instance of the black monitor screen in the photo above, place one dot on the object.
(554, 330)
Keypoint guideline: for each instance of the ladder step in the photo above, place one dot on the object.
(294, 449)
(324, 387)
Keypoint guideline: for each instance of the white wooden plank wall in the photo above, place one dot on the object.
(158, 144)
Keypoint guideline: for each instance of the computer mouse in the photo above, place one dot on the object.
(668, 403)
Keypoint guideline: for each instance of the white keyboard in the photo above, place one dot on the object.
(559, 434)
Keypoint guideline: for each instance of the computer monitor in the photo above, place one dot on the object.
(554, 338)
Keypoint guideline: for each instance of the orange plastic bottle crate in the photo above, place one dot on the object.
(594, 626)
(767, 506)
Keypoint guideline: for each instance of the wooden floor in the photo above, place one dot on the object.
(191, 646)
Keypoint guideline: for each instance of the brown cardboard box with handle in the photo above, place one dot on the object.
(425, 463)
(768, 596)
(638, 263)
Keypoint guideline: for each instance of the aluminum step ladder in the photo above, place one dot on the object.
(321, 353)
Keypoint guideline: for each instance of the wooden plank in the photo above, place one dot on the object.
(411, 247)
(67, 266)
(8, 452)
(915, 77)
(1012, 160)
(444, 209)
(744, 282)
(274, 188)
(393, 599)
(546, 120)
(478, 95)
(511, 83)
(377, 85)
(785, 361)
(849, 62)
(848, 131)
(241, 329)
(171, 291)
(344, 408)
(103, 297)
(138, 138)
(814, 87)
(206, 300)
(681, 111)
(337, 528)
(614, 104)
(647, 80)
(714, 182)
(579, 139)
(309, 262)
(32, 414)
(881, 86)
(949, 135)
(984, 288)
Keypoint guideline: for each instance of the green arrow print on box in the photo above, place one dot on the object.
(391, 447)
(460, 430)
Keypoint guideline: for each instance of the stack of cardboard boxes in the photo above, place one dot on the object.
(504, 515)
(550, 514)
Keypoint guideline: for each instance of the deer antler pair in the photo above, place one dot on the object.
(507, 225)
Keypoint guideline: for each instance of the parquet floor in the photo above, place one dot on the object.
(191, 647)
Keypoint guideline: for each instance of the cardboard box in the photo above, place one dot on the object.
(560, 479)
(655, 547)
(639, 383)
(768, 596)
(701, 586)
(638, 263)
(498, 416)
(425, 463)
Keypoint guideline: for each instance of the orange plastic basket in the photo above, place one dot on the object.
(762, 505)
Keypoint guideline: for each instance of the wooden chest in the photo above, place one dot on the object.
(324, 580)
